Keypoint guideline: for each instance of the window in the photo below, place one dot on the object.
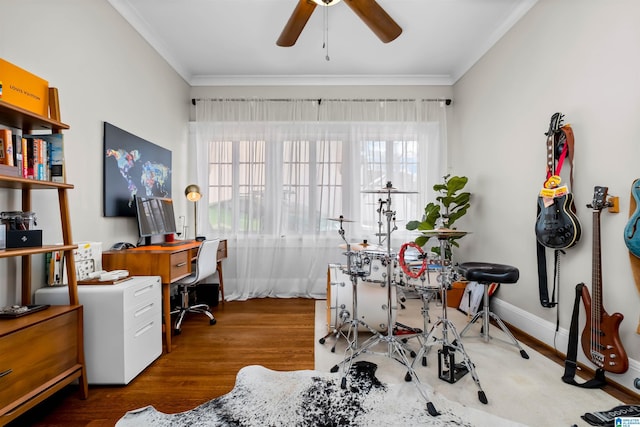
(297, 185)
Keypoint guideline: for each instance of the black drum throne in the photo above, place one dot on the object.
(486, 274)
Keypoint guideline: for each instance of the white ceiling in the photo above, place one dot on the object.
(233, 42)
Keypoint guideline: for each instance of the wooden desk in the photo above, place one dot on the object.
(171, 263)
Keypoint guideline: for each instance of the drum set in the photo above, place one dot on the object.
(362, 296)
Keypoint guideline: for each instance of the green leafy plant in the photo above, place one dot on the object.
(451, 204)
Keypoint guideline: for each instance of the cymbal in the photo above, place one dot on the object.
(444, 232)
(362, 246)
(341, 219)
(388, 190)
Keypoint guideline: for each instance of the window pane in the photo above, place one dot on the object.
(329, 182)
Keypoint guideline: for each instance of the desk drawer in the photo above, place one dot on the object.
(180, 264)
(147, 289)
(142, 345)
(222, 250)
(148, 304)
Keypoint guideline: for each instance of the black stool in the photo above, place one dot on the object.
(486, 273)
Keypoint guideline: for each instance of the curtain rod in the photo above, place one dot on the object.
(447, 101)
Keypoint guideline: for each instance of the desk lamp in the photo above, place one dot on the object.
(193, 195)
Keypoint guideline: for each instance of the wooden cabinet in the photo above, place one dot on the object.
(40, 353)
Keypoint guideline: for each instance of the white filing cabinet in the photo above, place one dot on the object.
(122, 326)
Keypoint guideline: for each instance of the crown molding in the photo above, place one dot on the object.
(323, 80)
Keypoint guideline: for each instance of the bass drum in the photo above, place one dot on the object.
(372, 301)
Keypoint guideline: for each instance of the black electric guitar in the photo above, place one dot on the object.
(600, 339)
(557, 226)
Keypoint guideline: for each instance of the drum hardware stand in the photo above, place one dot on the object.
(426, 295)
(338, 331)
(381, 233)
(395, 349)
(448, 369)
(351, 335)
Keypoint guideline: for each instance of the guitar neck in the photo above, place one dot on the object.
(554, 125)
(596, 273)
(551, 163)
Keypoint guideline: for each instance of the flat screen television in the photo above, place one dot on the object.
(155, 217)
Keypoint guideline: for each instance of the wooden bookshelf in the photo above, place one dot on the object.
(40, 353)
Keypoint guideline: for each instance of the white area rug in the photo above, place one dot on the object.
(528, 391)
(262, 397)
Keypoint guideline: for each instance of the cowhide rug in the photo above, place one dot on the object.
(262, 397)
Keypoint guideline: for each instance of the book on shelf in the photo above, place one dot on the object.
(36, 166)
(17, 152)
(32, 155)
(54, 271)
(6, 147)
(87, 257)
(25, 158)
(9, 170)
(45, 157)
(56, 158)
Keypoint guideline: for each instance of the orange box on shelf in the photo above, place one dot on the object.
(23, 89)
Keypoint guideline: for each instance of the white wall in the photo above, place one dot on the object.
(104, 71)
(580, 58)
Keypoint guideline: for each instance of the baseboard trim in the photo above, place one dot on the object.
(544, 332)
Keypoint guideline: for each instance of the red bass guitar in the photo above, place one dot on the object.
(600, 339)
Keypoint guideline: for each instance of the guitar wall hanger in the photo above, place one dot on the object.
(612, 204)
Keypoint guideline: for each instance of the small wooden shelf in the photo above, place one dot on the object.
(18, 183)
(19, 118)
(6, 253)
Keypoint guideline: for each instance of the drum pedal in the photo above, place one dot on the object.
(448, 370)
(401, 329)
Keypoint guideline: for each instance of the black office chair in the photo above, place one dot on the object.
(205, 265)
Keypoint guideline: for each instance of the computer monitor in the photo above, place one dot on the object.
(155, 217)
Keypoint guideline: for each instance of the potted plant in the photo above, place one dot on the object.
(451, 204)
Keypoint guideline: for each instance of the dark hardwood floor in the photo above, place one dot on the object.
(275, 333)
(203, 363)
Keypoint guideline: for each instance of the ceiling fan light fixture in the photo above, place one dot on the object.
(326, 2)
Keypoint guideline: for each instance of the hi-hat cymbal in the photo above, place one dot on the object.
(362, 246)
(341, 219)
(444, 232)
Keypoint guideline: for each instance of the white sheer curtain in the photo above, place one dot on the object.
(277, 172)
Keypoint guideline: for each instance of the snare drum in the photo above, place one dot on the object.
(372, 301)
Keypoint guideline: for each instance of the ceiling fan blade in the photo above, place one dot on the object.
(376, 19)
(296, 23)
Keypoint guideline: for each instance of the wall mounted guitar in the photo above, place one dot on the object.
(600, 338)
(632, 229)
(557, 226)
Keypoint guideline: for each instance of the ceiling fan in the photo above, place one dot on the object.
(371, 13)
